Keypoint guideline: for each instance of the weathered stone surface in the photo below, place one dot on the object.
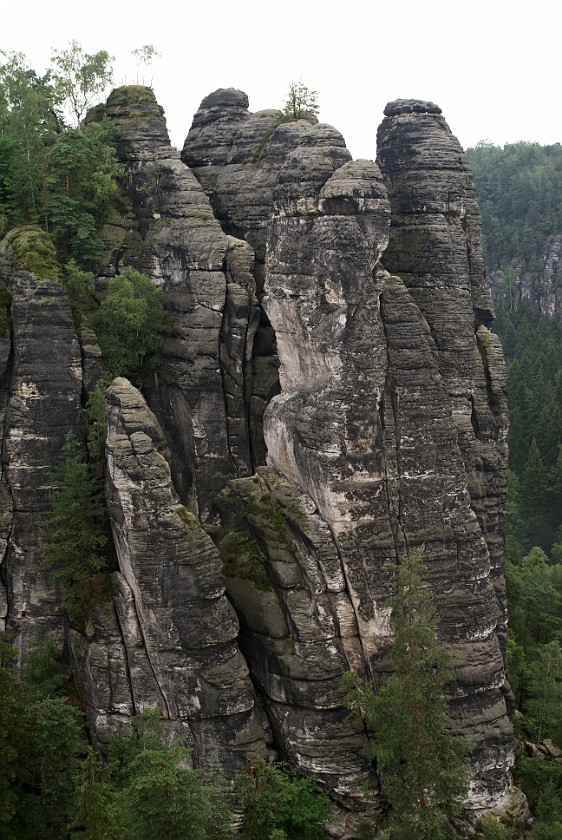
(41, 395)
(435, 248)
(237, 156)
(383, 388)
(99, 658)
(392, 413)
(179, 628)
(299, 631)
(173, 237)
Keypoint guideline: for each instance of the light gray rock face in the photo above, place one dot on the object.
(41, 390)
(346, 300)
(237, 156)
(178, 627)
(298, 628)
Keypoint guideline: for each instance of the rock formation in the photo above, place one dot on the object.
(179, 630)
(331, 396)
(40, 401)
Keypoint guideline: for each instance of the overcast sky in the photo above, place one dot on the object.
(492, 66)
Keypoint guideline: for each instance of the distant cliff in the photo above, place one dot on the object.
(331, 396)
(519, 188)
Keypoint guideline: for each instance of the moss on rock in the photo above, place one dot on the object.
(30, 248)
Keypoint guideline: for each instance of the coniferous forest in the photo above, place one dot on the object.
(519, 190)
(59, 182)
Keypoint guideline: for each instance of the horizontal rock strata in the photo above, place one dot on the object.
(41, 393)
(179, 629)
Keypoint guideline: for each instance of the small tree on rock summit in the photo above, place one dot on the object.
(301, 102)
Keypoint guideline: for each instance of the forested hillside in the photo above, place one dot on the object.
(520, 195)
(519, 190)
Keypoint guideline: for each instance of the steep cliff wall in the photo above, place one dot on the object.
(331, 396)
(40, 404)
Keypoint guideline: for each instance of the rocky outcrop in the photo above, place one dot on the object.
(41, 393)
(179, 629)
(298, 629)
(173, 237)
(392, 412)
(237, 156)
(435, 248)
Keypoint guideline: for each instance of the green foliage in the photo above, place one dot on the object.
(98, 815)
(74, 530)
(40, 742)
(162, 799)
(130, 325)
(32, 249)
(423, 776)
(95, 422)
(277, 803)
(44, 675)
(543, 703)
(81, 187)
(490, 828)
(10, 698)
(145, 792)
(301, 103)
(48, 757)
(533, 349)
(243, 560)
(519, 190)
(158, 797)
(534, 595)
(80, 286)
(541, 782)
(28, 124)
(80, 78)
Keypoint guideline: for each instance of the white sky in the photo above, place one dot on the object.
(492, 66)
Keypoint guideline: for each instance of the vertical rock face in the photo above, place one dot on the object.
(237, 156)
(371, 418)
(174, 237)
(179, 629)
(435, 248)
(522, 281)
(41, 391)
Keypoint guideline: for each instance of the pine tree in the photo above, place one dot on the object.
(48, 769)
(75, 535)
(423, 776)
(302, 103)
(158, 797)
(98, 817)
(544, 694)
(10, 730)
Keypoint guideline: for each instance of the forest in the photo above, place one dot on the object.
(519, 190)
(59, 183)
